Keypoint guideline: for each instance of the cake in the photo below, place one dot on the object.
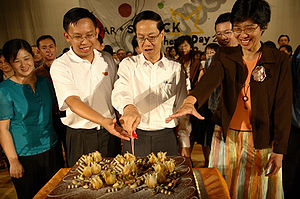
(126, 176)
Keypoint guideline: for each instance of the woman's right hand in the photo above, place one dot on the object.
(187, 108)
(16, 169)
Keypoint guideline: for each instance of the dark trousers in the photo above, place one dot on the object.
(38, 169)
(291, 165)
(164, 140)
(84, 141)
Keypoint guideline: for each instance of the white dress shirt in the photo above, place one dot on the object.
(157, 90)
(92, 82)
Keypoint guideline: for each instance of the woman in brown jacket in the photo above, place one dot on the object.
(254, 114)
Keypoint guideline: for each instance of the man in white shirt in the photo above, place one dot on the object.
(83, 79)
(150, 87)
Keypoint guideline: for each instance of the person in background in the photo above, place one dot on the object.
(283, 40)
(255, 116)
(210, 107)
(291, 172)
(128, 54)
(209, 50)
(83, 79)
(223, 29)
(27, 135)
(287, 49)
(99, 45)
(167, 52)
(150, 86)
(6, 70)
(108, 49)
(271, 44)
(194, 71)
(135, 46)
(115, 57)
(203, 56)
(121, 54)
(173, 54)
(48, 49)
(38, 59)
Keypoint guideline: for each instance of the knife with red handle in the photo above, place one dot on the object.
(133, 136)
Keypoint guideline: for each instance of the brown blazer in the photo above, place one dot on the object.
(271, 99)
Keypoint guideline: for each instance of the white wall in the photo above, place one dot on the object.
(28, 19)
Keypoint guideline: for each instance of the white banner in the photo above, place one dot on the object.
(182, 17)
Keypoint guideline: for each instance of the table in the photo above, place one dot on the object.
(213, 181)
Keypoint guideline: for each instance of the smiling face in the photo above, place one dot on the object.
(23, 65)
(224, 34)
(147, 30)
(184, 48)
(48, 49)
(248, 34)
(4, 65)
(82, 36)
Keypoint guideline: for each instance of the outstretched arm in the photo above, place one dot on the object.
(86, 112)
(186, 108)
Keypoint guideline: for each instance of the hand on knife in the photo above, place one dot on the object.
(130, 119)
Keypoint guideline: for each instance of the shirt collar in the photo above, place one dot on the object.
(75, 57)
(162, 63)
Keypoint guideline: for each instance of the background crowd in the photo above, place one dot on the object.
(54, 108)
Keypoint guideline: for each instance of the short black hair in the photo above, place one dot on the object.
(100, 39)
(257, 10)
(109, 49)
(12, 47)
(43, 37)
(270, 44)
(149, 15)
(284, 36)
(134, 44)
(75, 14)
(180, 40)
(225, 17)
(213, 46)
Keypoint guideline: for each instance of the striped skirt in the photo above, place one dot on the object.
(243, 166)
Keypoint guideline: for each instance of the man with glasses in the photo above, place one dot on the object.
(223, 28)
(150, 87)
(83, 79)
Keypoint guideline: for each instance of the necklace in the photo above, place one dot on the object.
(245, 98)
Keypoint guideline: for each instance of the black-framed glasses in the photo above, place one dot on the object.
(247, 29)
(226, 33)
(151, 38)
(80, 38)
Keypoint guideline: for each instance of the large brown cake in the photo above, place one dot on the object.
(181, 186)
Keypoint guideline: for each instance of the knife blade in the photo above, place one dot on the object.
(133, 136)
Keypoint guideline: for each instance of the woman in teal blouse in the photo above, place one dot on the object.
(27, 135)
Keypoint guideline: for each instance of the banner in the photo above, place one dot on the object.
(181, 17)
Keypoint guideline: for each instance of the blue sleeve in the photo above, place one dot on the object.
(6, 109)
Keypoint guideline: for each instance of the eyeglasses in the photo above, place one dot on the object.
(80, 38)
(149, 38)
(247, 30)
(226, 33)
(210, 52)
